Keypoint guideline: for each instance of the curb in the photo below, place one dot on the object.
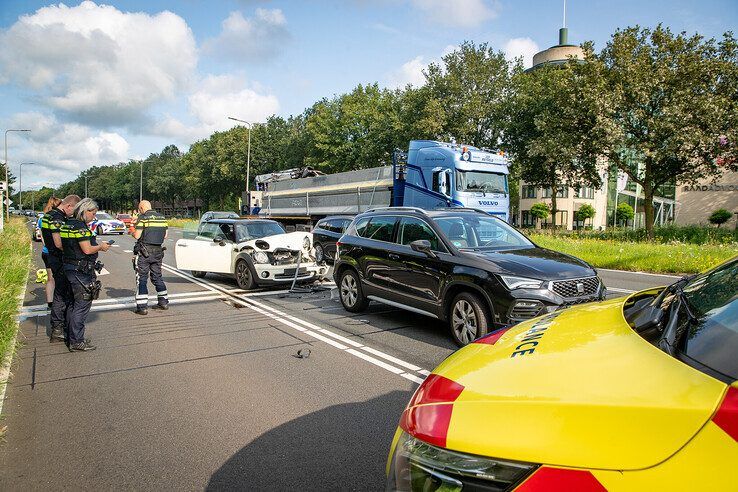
(7, 359)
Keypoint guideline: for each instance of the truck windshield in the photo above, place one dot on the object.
(481, 181)
(257, 230)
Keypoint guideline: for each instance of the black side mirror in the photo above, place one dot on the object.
(422, 246)
(220, 240)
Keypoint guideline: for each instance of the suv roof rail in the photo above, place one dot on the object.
(414, 209)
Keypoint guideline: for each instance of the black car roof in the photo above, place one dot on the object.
(239, 221)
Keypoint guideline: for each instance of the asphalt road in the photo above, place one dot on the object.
(212, 394)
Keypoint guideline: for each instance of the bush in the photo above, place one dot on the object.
(720, 217)
(624, 213)
(692, 234)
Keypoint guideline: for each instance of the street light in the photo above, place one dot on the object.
(20, 184)
(7, 193)
(141, 183)
(248, 162)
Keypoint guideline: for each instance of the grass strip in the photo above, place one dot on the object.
(15, 260)
(183, 223)
(641, 256)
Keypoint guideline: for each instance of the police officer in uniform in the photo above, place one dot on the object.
(150, 232)
(80, 263)
(51, 224)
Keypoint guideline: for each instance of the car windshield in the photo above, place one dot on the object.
(479, 231)
(103, 216)
(711, 338)
(480, 181)
(256, 230)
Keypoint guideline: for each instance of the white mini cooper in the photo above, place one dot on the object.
(257, 252)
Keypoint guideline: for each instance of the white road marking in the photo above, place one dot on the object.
(676, 277)
(128, 251)
(314, 331)
(115, 245)
(103, 271)
(624, 291)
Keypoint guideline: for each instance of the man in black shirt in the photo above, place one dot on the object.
(150, 232)
(51, 224)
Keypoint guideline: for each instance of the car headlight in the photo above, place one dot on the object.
(418, 465)
(306, 242)
(520, 282)
(260, 257)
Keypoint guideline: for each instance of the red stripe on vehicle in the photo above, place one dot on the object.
(561, 480)
(436, 389)
(428, 423)
(727, 415)
(492, 338)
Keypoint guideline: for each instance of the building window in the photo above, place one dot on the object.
(562, 219)
(528, 191)
(526, 219)
(560, 193)
(584, 193)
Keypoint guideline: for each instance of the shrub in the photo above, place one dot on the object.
(540, 211)
(720, 217)
(624, 213)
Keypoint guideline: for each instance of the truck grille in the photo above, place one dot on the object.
(579, 287)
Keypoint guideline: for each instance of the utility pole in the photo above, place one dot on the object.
(141, 184)
(7, 184)
(248, 163)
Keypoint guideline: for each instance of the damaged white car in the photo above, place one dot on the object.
(257, 252)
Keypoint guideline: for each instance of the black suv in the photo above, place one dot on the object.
(325, 234)
(460, 265)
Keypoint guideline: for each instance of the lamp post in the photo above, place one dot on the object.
(248, 162)
(85, 185)
(7, 192)
(141, 184)
(20, 184)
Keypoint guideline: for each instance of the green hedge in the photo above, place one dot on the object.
(667, 234)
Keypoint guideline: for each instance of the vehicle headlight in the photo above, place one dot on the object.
(306, 242)
(260, 257)
(520, 282)
(418, 465)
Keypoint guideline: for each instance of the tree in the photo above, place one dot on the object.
(586, 211)
(720, 217)
(549, 112)
(470, 88)
(624, 213)
(540, 211)
(670, 106)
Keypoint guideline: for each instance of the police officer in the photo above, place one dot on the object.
(80, 263)
(150, 232)
(51, 224)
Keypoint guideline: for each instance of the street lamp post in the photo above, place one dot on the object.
(248, 162)
(7, 192)
(141, 184)
(85, 185)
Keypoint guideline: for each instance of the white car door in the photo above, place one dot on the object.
(204, 255)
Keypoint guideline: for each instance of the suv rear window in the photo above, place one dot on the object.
(378, 228)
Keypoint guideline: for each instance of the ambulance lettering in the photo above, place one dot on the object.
(533, 336)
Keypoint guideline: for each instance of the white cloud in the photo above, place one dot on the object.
(210, 105)
(96, 64)
(61, 150)
(411, 72)
(521, 47)
(459, 13)
(253, 39)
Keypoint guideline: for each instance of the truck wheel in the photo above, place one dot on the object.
(468, 319)
(198, 274)
(351, 295)
(244, 278)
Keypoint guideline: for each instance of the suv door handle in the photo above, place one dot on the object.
(182, 245)
(393, 256)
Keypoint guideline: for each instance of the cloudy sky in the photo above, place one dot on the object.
(100, 83)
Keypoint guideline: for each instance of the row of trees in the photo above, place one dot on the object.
(658, 106)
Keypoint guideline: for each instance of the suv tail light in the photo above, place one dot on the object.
(338, 249)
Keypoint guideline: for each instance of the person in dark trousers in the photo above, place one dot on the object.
(53, 203)
(150, 232)
(80, 263)
(51, 224)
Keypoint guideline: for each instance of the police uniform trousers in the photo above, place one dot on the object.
(63, 297)
(79, 282)
(150, 266)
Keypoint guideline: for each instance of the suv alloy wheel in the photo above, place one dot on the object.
(468, 318)
(350, 292)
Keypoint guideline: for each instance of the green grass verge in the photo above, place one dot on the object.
(642, 256)
(183, 223)
(15, 260)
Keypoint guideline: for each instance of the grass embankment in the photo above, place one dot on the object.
(183, 223)
(15, 260)
(641, 256)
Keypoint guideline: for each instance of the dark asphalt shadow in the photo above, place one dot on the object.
(113, 292)
(343, 447)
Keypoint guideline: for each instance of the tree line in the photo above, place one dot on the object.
(661, 107)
